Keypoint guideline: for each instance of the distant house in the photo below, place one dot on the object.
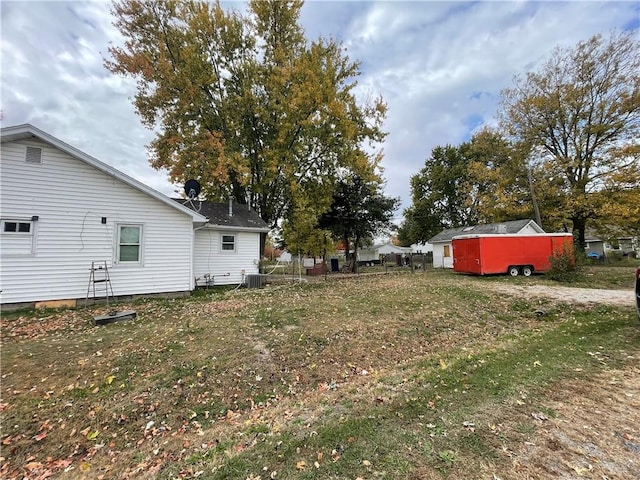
(442, 242)
(62, 210)
(593, 244)
(374, 253)
(623, 245)
(421, 248)
(285, 256)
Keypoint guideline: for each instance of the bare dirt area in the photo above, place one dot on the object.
(594, 432)
(620, 298)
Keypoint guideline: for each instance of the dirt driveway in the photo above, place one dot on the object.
(621, 298)
(595, 433)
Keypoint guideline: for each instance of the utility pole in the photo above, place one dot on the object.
(536, 210)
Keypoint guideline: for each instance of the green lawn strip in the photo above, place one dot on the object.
(425, 429)
(471, 386)
(617, 276)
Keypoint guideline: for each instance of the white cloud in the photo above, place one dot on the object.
(440, 67)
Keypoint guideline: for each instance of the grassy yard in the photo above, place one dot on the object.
(404, 376)
(619, 275)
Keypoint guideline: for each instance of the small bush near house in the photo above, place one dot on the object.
(565, 265)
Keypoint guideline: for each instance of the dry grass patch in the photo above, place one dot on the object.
(370, 377)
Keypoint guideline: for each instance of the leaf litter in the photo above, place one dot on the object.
(234, 371)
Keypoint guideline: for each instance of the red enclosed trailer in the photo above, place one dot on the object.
(507, 253)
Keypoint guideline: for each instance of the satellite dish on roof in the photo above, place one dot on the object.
(192, 189)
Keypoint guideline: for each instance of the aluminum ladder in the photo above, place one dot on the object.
(99, 274)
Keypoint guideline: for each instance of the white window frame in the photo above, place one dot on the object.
(17, 221)
(27, 236)
(223, 243)
(140, 244)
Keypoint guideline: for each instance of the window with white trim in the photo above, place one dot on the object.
(18, 236)
(17, 226)
(228, 243)
(129, 244)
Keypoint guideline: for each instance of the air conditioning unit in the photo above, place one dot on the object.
(254, 281)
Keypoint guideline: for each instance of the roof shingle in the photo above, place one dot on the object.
(242, 216)
(513, 226)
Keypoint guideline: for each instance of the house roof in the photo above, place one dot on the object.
(389, 244)
(27, 131)
(590, 235)
(242, 216)
(514, 226)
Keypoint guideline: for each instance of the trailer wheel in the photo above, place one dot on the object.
(514, 271)
(527, 270)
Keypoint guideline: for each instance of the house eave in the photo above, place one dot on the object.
(27, 131)
(228, 228)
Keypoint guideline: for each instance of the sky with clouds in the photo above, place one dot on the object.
(440, 67)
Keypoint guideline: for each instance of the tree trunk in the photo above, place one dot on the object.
(354, 260)
(579, 227)
(347, 254)
(534, 200)
(263, 244)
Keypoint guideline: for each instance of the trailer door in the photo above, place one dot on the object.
(466, 255)
(474, 262)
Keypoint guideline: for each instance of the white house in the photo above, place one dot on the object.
(374, 253)
(442, 242)
(421, 248)
(61, 210)
(618, 245)
(285, 256)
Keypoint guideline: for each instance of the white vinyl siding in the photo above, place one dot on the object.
(529, 229)
(442, 255)
(226, 269)
(70, 198)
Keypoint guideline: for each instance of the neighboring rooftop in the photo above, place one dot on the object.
(514, 226)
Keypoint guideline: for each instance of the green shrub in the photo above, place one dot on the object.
(564, 265)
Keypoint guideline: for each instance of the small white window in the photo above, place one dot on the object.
(18, 236)
(129, 244)
(16, 226)
(228, 243)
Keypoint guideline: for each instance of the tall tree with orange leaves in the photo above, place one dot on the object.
(580, 114)
(245, 103)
